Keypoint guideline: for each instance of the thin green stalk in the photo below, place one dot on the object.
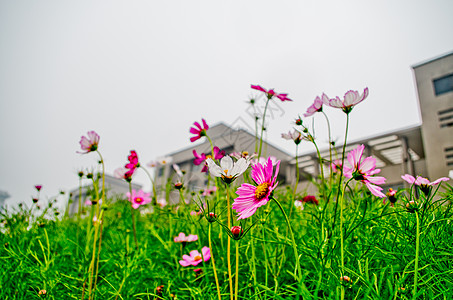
(322, 170)
(330, 147)
(341, 170)
(132, 214)
(213, 262)
(298, 276)
(417, 251)
(236, 278)
(297, 172)
(262, 127)
(152, 183)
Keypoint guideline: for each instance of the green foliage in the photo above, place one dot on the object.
(47, 253)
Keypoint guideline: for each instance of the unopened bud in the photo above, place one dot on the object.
(237, 232)
(178, 185)
(211, 217)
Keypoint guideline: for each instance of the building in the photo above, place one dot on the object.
(226, 138)
(114, 187)
(434, 80)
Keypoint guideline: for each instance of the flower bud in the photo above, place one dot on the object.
(178, 185)
(237, 232)
(211, 217)
(35, 200)
(411, 206)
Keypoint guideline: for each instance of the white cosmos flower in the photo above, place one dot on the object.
(228, 170)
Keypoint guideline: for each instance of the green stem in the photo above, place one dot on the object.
(213, 262)
(341, 170)
(262, 128)
(330, 146)
(297, 172)
(298, 276)
(152, 183)
(132, 214)
(417, 251)
(236, 278)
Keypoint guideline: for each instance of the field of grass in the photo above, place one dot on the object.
(54, 254)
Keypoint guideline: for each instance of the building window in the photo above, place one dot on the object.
(443, 85)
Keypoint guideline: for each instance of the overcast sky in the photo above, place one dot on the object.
(141, 72)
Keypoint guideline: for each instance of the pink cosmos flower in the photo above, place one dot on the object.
(271, 93)
(424, 184)
(123, 173)
(133, 161)
(317, 105)
(38, 187)
(251, 197)
(198, 130)
(336, 166)
(162, 202)
(363, 170)
(351, 98)
(209, 191)
(243, 154)
(201, 158)
(422, 181)
(263, 160)
(138, 198)
(89, 144)
(183, 238)
(195, 257)
(296, 136)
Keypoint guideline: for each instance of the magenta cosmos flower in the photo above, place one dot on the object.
(195, 257)
(317, 105)
(182, 238)
(351, 98)
(251, 197)
(89, 144)
(363, 170)
(198, 130)
(271, 93)
(201, 158)
(133, 161)
(138, 198)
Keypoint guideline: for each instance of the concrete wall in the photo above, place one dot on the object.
(437, 116)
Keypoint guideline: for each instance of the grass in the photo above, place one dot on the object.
(49, 253)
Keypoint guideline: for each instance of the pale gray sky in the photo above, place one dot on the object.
(141, 72)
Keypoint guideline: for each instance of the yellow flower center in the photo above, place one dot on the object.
(139, 200)
(208, 156)
(198, 257)
(262, 190)
(245, 153)
(164, 162)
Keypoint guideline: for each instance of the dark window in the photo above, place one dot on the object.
(443, 85)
